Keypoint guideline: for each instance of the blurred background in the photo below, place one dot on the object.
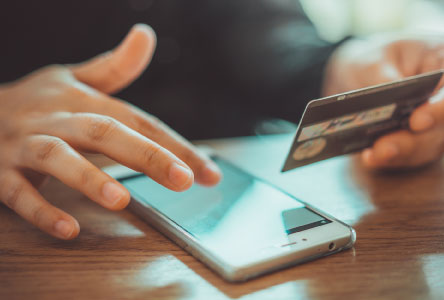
(221, 68)
(336, 19)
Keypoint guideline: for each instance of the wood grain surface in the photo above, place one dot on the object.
(399, 254)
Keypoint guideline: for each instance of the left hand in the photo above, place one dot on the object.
(362, 63)
(51, 116)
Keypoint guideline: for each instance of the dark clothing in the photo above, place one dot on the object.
(219, 67)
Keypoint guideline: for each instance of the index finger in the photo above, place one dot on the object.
(103, 134)
(206, 172)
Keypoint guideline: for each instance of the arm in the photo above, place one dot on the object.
(273, 53)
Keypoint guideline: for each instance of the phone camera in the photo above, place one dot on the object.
(331, 247)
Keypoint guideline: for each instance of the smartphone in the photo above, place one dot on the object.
(241, 228)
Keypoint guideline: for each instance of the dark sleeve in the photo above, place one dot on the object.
(222, 64)
(274, 54)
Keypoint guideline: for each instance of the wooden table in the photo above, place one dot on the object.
(399, 254)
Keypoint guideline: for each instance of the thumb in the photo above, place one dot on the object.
(114, 70)
(428, 114)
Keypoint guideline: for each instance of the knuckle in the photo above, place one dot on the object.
(10, 128)
(54, 74)
(76, 92)
(49, 148)
(82, 93)
(38, 215)
(54, 68)
(86, 176)
(13, 196)
(150, 125)
(151, 154)
(100, 128)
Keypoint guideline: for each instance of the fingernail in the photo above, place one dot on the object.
(423, 121)
(179, 175)
(64, 228)
(112, 193)
(390, 151)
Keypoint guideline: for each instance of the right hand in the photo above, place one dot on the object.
(49, 116)
(384, 58)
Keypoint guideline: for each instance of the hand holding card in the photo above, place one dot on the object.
(421, 145)
(352, 121)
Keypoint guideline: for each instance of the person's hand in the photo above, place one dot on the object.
(362, 63)
(49, 116)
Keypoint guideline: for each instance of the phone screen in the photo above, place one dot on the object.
(235, 219)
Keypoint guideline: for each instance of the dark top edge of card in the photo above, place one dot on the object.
(373, 89)
(363, 99)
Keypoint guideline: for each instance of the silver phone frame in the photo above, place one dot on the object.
(231, 273)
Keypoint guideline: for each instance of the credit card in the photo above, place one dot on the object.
(352, 121)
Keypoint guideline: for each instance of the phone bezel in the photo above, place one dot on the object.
(314, 247)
